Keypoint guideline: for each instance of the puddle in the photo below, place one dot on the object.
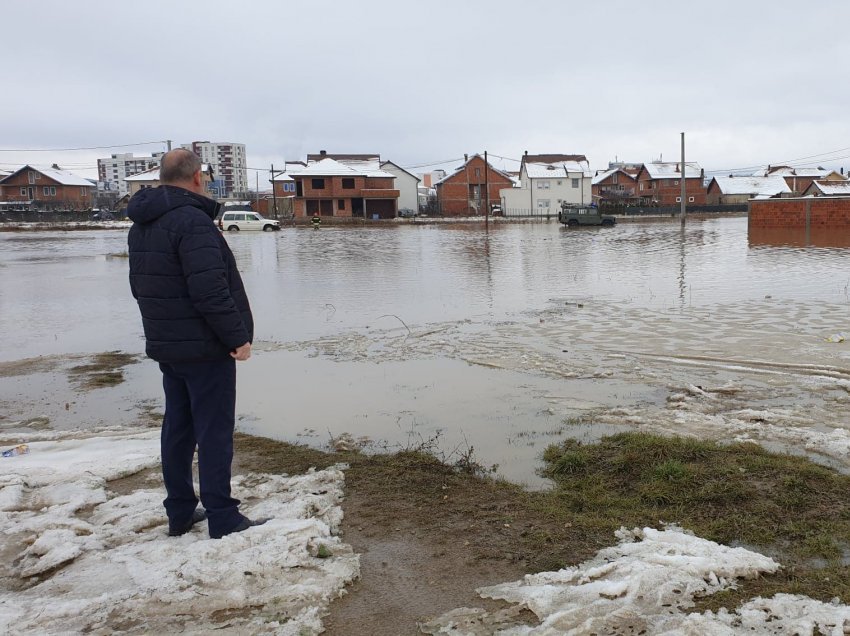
(407, 404)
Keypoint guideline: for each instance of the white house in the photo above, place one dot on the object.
(407, 185)
(547, 181)
(150, 179)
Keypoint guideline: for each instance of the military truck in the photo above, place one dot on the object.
(575, 215)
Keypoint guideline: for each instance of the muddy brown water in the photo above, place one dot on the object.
(473, 341)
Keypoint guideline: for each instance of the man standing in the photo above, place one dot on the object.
(197, 323)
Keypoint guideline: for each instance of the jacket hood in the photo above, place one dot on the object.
(151, 203)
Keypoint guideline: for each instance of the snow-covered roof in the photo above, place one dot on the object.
(559, 168)
(63, 177)
(604, 175)
(766, 186)
(788, 171)
(334, 168)
(463, 167)
(672, 170)
(832, 188)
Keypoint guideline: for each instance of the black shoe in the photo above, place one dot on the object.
(198, 515)
(242, 525)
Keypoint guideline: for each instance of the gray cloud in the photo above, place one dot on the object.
(750, 83)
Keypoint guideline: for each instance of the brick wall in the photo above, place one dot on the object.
(455, 193)
(816, 212)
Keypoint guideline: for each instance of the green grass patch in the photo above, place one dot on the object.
(737, 494)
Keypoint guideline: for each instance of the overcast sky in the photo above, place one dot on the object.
(749, 82)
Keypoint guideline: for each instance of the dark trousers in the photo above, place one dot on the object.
(200, 409)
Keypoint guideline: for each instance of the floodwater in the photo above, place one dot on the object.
(479, 343)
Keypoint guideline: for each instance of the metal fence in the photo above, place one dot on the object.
(646, 210)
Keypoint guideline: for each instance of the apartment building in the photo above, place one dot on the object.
(229, 165)
(113, 171)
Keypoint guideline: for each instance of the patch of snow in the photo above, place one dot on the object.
(645, 584)
(79, 557)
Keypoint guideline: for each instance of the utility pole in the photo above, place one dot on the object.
(487, 190)
(683, 210)
(274, 193)
(168, 142)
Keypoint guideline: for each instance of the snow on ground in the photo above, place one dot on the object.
(78, 557)
(644, 585)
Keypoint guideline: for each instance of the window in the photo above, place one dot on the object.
(341, 204)
(641, 187)
(46, 191)
(575, 183)
(318, 184)
(84, 192)
(289, 187)
(30, 176)
(559, 183)
(614, 178)
(675, 182)
(478, 172)
(543, 185)
(23, 192)
(690, 199)
(347, 183)
(543, 203)
(678, 199)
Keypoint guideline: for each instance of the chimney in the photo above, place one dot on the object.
(465, 158)
(526, 153)
(323, 152)
(702, 174)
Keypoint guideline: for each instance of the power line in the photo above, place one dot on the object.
(141, 143)
(431, 163)
(787, 162)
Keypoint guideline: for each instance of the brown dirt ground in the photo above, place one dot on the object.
(428, 535)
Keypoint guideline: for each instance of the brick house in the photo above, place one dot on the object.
(356, 188)
(659, 183)
(47, 188)
(615, 186)
(465, 191)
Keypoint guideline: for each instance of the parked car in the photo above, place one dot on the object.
(245, 220)
(406, 213)
(573, 216)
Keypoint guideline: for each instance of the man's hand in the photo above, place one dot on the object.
(242, 353)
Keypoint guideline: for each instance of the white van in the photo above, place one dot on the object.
(246, 220)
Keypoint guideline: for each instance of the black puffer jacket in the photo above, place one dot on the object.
(184, 277)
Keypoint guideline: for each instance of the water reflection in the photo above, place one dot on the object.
(799, 237)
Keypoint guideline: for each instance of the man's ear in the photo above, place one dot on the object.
(197, 179)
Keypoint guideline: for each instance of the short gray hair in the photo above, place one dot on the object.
(178, 165)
